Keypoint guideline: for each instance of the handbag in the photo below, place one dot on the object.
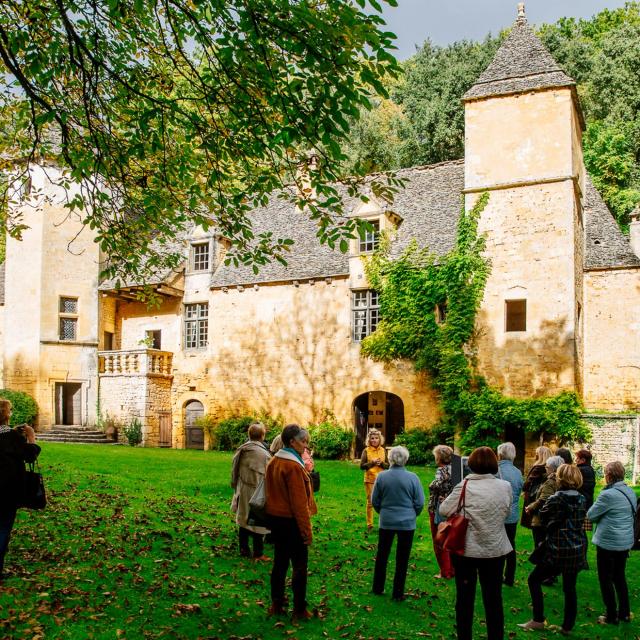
(33, 495)
(452, 533)
(315, 480)
(257, 506)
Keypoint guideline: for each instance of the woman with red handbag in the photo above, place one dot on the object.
(486, 504)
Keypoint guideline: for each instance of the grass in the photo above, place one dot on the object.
(140, 543)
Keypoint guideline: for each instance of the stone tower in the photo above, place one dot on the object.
(523, 145)
(51, 305)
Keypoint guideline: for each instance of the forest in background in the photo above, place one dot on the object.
(422, 122)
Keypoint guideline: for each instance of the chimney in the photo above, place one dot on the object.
(634, 230)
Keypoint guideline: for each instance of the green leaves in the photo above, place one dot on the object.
(176, 133)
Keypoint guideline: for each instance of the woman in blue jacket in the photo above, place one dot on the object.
(398, 498)
(613, 513)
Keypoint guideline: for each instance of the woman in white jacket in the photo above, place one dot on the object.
(487, 504)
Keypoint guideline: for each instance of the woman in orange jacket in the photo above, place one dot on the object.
(289, 507)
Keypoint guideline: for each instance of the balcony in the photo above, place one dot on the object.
(135, 362)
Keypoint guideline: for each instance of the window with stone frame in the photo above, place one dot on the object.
(196, 325)
(68, 318)
(365, 313)
(371, 239)
(515, 315)
(200, 256)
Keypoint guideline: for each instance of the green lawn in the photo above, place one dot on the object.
(140, 543)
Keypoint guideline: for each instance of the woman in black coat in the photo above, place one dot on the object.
(17, 446)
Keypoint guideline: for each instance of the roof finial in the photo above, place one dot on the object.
(521, 14)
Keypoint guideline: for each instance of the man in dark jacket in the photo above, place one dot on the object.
(583, 462)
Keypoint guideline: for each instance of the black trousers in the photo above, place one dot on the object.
(489, 571)
(403, 551)
(537, 577)
(288, 547)
(611, 575)
(7, 518)
(510, 565)
(258, 542)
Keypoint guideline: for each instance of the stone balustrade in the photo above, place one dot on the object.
(135, 362)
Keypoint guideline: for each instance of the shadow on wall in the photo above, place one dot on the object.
(297, 360)
(527, 364)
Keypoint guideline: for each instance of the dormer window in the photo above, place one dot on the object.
(371, 239)
(200, 256)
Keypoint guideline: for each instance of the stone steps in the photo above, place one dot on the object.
(75, 433)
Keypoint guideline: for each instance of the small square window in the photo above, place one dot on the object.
(516, 315)
(68, 305)
(68, 328)
(371, 239)
(200, 256)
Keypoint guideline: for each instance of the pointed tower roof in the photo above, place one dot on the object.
(521, 64)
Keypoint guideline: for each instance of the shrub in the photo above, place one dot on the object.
(24, 407)
(208, 424)
(330, 440)
(229, 434)
(420, 442)
(133, 432)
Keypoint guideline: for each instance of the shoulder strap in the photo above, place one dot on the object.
(628, 500)
(462, 497)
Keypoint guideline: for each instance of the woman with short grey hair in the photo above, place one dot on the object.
(398, 498)
(506, 451)
(613, 514)
(507, 471)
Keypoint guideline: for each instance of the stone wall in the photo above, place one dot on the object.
(615, 437)
(612, 339)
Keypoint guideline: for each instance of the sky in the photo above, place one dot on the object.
(445, 21)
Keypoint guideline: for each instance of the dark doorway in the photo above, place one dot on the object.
(68, 403)
(395, 417)
(379, 409)
(515, 434)
(194, 434)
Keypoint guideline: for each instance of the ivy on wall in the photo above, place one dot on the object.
(428, 309)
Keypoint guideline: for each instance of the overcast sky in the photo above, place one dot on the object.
(445, 21)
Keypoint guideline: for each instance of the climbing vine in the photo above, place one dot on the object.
(428, 308)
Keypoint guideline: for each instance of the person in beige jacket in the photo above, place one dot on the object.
(487, 504)
(247, 469)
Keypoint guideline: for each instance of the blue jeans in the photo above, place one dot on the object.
(7, 517)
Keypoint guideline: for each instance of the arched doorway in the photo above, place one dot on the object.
(379, 409)
(194, 435)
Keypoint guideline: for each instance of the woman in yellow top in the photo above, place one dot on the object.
(374, 460)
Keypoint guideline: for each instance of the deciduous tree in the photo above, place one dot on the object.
(174, 112)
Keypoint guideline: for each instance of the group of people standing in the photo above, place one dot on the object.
(558, 508)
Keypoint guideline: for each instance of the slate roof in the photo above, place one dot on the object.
(605, 245)
(522, 63)
(429, 205)
(178, 245)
